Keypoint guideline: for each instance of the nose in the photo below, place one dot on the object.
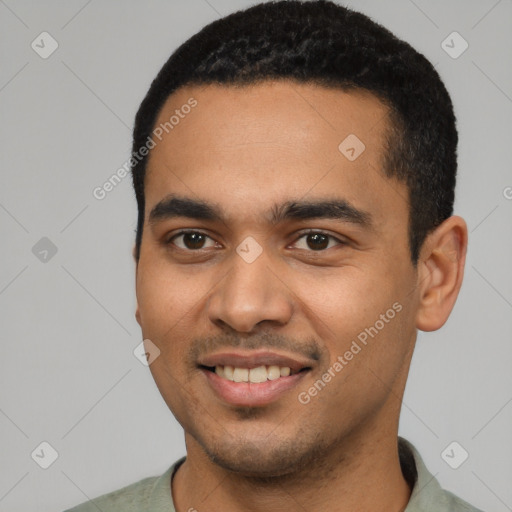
(250, 296)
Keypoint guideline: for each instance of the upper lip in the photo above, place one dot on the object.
(253, 359)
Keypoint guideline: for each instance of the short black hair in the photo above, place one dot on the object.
(323, 43)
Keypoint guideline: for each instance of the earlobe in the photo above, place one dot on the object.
(137, 315)
(440, 273)
(134, 254)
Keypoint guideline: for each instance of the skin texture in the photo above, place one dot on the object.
(246, 150)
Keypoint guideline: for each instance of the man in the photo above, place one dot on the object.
(294, 166)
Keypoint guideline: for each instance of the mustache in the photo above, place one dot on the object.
(201, 346)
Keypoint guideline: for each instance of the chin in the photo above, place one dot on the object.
(263, 459)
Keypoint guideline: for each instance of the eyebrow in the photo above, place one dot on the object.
(338, 209)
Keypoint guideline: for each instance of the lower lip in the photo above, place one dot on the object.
(250, 394)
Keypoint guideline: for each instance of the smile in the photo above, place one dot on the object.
(254, 378)
(254, 375)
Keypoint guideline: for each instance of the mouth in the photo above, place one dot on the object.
(254, 375)
(252, 379)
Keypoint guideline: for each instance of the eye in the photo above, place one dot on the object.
(318, 241)
(191, 240)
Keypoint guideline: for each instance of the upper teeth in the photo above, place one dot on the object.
(259, 374)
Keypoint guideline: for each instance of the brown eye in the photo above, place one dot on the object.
(191, 240)
(316, 241)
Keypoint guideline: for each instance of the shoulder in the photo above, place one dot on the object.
(127, 499)
(152, 493)
(427, 494)
(457, 504)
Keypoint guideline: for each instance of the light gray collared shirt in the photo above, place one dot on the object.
(153, 494)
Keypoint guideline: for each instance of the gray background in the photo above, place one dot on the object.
(68, 373)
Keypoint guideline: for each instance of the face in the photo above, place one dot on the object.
(284, 315)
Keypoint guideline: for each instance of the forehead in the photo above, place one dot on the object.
(299, 116)
(252, 146)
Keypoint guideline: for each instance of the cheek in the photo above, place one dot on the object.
(348, 298)
(164, 302)
(356, 305)
(163, 307)
(164, 296)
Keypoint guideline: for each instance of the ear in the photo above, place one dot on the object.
(440, 272)
(137, 312)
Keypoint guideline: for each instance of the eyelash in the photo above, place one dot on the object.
(301, 235)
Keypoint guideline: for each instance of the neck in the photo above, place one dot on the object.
(363, 473)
